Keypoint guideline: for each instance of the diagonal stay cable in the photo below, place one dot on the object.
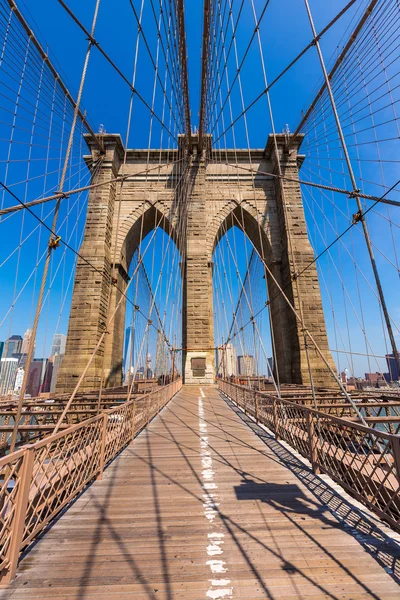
(375, 199)
(64, 243)
(326, 249)
(285, 70)
(97, 45)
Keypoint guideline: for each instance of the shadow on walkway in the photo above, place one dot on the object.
(364, 528)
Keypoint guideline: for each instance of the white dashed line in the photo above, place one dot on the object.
(215, 540)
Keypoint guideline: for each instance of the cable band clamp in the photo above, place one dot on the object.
(54, 242)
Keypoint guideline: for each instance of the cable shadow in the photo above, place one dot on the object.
(230, 526)
(160, 534)
(103, 525)
(363, 528)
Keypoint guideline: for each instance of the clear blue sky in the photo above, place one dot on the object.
(284, 33)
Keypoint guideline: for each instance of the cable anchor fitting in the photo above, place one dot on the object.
(357, 217)
(54, 242)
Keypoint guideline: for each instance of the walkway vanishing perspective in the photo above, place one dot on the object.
(198, 507)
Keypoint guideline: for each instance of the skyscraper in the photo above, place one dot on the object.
(26, 341)
(149, 372)
(161, 356)
(1, 349)
(8, 371)
(25, 347)
(19, 378)
(270, 366)
(57, 360)
(227, 360)
(128, 352)
(58, 345)
(247, 365)
(12, 346)
(394, 374)
(48, 375)
(35, 377)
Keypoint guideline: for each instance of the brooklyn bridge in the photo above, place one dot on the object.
(199, 258)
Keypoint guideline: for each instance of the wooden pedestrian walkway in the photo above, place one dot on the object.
(200, 507)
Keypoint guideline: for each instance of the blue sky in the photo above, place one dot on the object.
(284, 32)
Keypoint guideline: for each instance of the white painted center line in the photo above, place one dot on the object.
(219, 587)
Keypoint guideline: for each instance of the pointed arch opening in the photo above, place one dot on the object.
(148, 327)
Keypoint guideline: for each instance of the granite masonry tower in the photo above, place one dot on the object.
(241, 190)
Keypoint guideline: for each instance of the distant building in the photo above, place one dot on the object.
(57, 360)
(12, 346)
(246, 365)
(128, 352)
(19, 378)
(374, 377)
(160, 367)
(48, 375)
(394, 374)
(8, 371)
(149, 372)
(58, 345)
(1, 349)
(25, 347)
(35, 377)
(270, 366)
(26, 341)
(227, 360)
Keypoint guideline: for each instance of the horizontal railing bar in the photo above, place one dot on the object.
(45, 475)
(320, 414)
(363, 460)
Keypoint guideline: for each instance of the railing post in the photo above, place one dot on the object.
(20, 513)
(103, 446)
(256, 406)
(133, 418)
(275, 418)
(148, 410)
(312, 442)
(395, 447)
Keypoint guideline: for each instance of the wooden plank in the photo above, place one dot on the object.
(199, 506)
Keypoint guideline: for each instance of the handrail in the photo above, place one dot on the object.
(318, 413)
(38, 480)
(363, 460)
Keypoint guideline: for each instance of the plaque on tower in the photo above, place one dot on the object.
(198, 367)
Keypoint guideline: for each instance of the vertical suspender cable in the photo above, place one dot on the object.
(355, 192)
(52, 244)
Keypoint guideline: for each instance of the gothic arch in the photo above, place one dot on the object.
(136, 226)
(245, 217)
(259, 228)
(133, 230)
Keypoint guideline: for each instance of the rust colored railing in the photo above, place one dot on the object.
(365, 461)
(40, 479)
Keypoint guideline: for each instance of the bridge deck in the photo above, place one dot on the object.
(201, 507)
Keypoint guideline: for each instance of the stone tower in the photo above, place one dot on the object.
(241, 190)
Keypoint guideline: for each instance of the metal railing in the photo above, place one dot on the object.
(363, 460)
(40, 479)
